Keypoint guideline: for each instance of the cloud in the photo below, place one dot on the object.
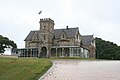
(98, 17)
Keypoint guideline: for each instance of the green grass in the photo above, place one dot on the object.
(23, 68)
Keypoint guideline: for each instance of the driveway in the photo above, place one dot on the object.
(83, 70)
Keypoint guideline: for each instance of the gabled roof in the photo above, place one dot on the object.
(70, 32)
(87, 39)
(31, 34)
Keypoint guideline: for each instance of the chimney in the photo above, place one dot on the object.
(67, 27)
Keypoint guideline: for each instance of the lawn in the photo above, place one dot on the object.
(23, 68)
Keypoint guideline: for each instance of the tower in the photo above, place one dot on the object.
(45, 36)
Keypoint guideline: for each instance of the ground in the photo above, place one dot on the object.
(62, 69)
(83, 70)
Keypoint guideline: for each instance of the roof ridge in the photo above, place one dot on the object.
(34, 30)
(68, 28)
(87, 35)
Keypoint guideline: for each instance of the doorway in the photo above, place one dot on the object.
(43, 52)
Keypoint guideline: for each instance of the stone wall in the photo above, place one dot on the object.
(29, 44)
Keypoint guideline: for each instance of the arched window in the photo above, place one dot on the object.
(44, 27)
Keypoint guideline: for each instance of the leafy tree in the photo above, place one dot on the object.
(106, 49)
(6, 43)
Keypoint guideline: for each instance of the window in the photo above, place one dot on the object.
(51, 28)
(44, 27)
(77, 37)
(44, 37)
(63, 36)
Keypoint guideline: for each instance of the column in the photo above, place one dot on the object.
(62, 52)
(33, 52)
(20, 52)
(47, 53)
(77, 52)
(70, 52)
(30, 53)
(39, 52)
(27, 53)
(56, 52)
(23, 53)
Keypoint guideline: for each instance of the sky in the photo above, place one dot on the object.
(100, 18)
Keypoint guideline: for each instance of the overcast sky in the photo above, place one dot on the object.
(98, 17)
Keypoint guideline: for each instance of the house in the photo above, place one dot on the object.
(50, 42)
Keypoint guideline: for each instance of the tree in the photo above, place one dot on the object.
(106, 49)
(6, 43)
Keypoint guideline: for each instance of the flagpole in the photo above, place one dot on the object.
(39, 51)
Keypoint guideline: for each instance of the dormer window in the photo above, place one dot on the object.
(63, 36)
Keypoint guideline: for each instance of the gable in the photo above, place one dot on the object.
(70, 33)
(63, 35)
(35, 36)
(32, 35)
